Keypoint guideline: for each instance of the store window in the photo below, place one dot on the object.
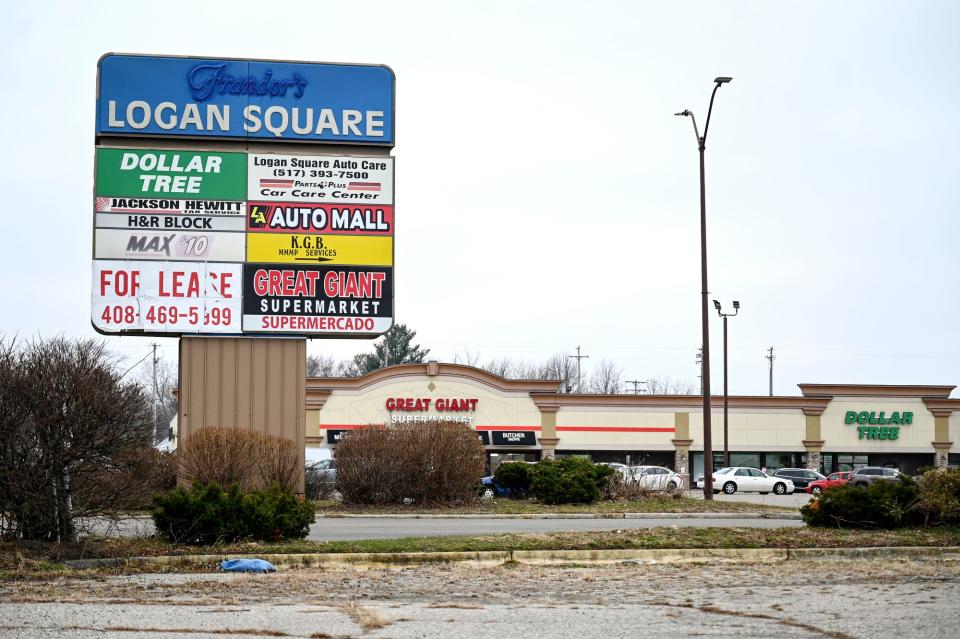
(775, 461)
(846, 462)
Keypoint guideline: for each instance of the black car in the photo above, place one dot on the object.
(800, 477)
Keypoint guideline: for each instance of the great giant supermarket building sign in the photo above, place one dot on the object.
(228, 98)
(199, 235)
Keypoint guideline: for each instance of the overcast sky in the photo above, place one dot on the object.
(547, 196)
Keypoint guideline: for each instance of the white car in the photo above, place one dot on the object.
(748, 480)
(651, 477)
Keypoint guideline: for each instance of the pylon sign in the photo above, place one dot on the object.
(203, 237)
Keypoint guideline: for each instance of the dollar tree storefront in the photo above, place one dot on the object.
(826, 427)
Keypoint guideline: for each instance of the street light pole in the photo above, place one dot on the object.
(726, 397)
(704, 319)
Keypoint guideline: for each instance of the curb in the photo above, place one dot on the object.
(740, 515)
(364, 561)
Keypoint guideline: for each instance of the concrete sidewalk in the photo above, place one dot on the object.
(366, 561)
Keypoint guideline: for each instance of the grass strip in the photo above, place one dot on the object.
(530, 507)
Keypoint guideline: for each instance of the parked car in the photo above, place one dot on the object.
(866, 475)
(799, 476)
(491, 488)
(326, 470)
(652, 477)
(834, 479)
(748, 480)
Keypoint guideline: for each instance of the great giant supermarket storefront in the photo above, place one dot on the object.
(826, 427)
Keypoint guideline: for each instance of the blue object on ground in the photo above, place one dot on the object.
(247, 565)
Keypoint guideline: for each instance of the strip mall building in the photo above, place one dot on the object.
(826, 427)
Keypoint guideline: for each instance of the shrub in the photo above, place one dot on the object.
(317, 484)
(883, 504)
(207, 514)
(620, 488)
(516, 476)
(127, 482)
(226, 456)
(428, 463)
(66, 414)
(940, 496)
(571, 480)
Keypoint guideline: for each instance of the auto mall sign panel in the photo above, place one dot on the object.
(194, 236)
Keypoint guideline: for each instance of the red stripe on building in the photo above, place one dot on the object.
(599, 429)
(618, 429)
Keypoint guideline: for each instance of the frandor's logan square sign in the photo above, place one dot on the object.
(294, 238)
(228, 98)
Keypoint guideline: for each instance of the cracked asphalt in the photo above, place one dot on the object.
(863, 599)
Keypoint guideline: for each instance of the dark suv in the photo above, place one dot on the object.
(799, 476)
(863, 477)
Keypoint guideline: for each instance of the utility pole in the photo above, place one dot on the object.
(156, 392)
(578, 357)
(636, 383)
(771, 357)
(700, 365)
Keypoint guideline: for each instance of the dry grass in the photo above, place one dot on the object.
(367, 618)
(654, 503)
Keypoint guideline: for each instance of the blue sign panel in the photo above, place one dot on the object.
(217, 98)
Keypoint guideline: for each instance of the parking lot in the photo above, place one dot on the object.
(796, 500)
(785, 600)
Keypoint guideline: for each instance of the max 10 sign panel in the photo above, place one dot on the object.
(224, 98)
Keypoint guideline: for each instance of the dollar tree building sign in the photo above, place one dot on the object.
(195, 238)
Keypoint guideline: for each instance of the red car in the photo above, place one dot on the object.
(835, 479)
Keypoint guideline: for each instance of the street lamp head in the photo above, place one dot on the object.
(736, 304)
(722, 80)
(684, 113)
(716, 305)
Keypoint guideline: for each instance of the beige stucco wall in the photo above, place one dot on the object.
(758, 430)
(840, 437)
(613, 417)
(955, 432)
(368, 405)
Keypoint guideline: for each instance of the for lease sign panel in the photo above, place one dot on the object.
(231, 98)
(185, 297)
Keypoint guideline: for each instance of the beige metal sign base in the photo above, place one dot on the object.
(253, 383)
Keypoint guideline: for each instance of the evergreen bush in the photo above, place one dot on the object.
(883, 504)
(571, 480)
(208, 514)
(516, 476)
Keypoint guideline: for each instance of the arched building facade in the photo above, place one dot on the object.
(826, 427)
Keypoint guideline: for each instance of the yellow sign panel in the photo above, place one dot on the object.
(367, 250)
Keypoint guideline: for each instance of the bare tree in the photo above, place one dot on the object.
(65, 415)
(468, 358)
(561, 367)
(669, 386)
(606, 378)
(160, 390)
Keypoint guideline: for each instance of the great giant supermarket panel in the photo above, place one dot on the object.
(196, 242)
